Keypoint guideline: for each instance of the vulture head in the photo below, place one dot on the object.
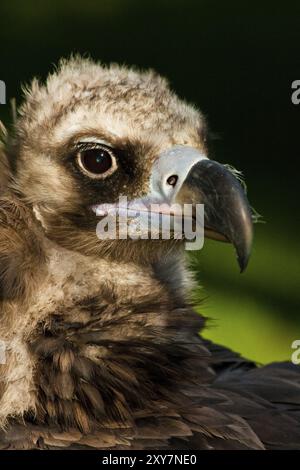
(94, 134)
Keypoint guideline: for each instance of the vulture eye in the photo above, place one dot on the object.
(98, 162)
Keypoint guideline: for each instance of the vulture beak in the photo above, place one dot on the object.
(183, 175)
(194, 179)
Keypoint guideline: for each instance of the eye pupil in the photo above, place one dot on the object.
(96, 161)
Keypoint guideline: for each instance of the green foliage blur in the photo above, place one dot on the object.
(236, 61)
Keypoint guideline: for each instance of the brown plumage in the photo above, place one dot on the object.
(102, 344)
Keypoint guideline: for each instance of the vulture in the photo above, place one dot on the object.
(103, 346)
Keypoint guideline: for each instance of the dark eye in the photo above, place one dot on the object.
(98, 162)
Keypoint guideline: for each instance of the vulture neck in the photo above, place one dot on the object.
(114, 340)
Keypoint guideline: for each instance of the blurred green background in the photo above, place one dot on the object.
(236, 61)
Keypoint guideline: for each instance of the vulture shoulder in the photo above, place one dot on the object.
(243, 407)
(267, 397)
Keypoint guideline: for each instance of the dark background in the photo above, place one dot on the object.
(236, 61)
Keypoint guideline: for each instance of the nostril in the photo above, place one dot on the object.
(172, 180)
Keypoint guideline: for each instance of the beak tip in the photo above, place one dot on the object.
(243, 256)
(243, 263)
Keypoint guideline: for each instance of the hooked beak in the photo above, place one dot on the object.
(198, 180)
(227, 215)
(183, 175)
